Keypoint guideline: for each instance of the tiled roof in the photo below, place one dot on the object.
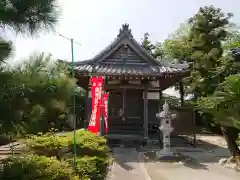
(112, 69)
(145, 64)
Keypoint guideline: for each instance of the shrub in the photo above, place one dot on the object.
(36, 167)
(92, 167)
(47, 144)
(50, 144)
(92, 151)
(89, 144)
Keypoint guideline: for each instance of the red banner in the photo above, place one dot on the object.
(105, 113)
(96, 91)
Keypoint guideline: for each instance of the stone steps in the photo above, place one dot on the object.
(9, 149)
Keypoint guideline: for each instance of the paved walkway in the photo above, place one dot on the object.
(129, 164)
(171, 171)
(126, 166)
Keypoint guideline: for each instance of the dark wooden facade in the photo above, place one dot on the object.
(131, 75)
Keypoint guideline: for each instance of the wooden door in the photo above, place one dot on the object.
(115, 115)
(126, 112)
(134, 107)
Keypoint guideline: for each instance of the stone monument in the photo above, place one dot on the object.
(165, 117)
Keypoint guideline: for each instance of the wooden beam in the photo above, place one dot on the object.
(126, 86)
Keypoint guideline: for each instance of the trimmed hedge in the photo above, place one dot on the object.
(50, 144)
(92, 167)
(36, 167)
(56, 151)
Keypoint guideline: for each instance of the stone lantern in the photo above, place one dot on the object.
(165, 117)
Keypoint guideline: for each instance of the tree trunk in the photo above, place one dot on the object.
(231, 134)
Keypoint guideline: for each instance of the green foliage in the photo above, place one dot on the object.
(233, 39)
(92, 167)
(47, 144)
(158, 51)
(207, 31)
(176, 45)
(5, 49)
(92, 151)
(35, 95)
(146, 43)
(224, 104)
(89, 144)
(30, 167)
(154, 50)
(204, 41)
(28, 15)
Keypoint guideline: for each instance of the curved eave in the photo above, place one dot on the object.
(118, 70)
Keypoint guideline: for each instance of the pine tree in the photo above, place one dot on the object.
(155, 50)
(27, 17)
(147, 44)
(207, 32)
(210, 68)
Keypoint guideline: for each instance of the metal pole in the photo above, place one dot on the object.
(73, 111)
(74, 106)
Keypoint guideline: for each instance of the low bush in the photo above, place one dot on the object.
(47, 144)
(50, 144)
(36, 167)
(92, 151)
(88, 144)
(92, 167)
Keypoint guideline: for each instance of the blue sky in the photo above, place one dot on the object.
(95, 23)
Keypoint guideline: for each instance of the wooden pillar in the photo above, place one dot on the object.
(145, 111)
(124, 93)
(160, 95)
(159, 133)
(181, 91)
(88, 103)
(102, 130)
(86, 108)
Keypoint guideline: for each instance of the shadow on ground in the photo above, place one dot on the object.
(192, 157)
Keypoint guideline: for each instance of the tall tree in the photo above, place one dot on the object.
(207, 32)
(210, 65)
(176, 45)
(156, 50)
(27, 17)
(146, 43)
(224, 105)
(36, 95)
